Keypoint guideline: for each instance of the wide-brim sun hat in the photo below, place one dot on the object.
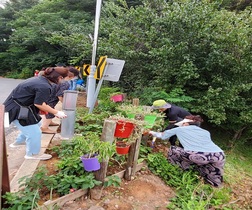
(180, 123)
(160, 104)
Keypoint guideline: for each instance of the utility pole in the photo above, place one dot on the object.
(91, 84)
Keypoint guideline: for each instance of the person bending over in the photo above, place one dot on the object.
(172, 113)
(23, 105)
(199, 151)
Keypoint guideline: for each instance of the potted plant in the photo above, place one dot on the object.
(93, 150)
(129, 110)
(127, 131)
(151, 117)
(122, 147)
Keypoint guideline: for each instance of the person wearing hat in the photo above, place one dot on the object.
(23, 105)
(172, 113)
(198, 152)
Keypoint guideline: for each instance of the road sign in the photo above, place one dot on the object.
(85, 69)
(100, 67)
(114, 69)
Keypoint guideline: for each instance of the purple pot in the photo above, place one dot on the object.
(90, 164)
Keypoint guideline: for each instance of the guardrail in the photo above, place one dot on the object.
(4, 171)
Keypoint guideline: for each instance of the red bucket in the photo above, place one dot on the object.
(122, 148)
(123, 129)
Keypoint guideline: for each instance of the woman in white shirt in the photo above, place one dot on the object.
(199, 151)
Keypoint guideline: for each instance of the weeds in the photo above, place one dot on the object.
(191, 192)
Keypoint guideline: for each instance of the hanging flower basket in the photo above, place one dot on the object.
(90, 164)
(123, 129)
(122, 148)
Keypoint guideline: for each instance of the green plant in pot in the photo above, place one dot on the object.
(91, 148)
(151, 117)
(126, 131)
(129, 110)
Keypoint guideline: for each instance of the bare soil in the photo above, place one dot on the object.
(144, 192)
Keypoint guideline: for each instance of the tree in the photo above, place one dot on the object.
(193, 45)
(48, 33)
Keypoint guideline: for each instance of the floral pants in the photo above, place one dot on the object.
(209, 164)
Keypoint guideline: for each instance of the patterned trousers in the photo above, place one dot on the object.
(209, 164)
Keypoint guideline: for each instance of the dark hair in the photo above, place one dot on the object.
(53, 73)
(74, 71)
(197, 120)
(195, 123)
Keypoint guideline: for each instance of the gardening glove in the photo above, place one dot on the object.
(60, 114)
(156, 134)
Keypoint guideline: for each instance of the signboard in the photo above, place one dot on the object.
(113, 69)
(85, 69)
(100, 67)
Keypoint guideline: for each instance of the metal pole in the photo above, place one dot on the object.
(91, 79)
(91, 108)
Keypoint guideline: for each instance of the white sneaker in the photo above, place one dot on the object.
(16, 144)
(38, 157)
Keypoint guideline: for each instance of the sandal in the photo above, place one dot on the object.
(54, 124)
(48, 131)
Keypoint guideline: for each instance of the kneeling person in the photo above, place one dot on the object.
(199, 151)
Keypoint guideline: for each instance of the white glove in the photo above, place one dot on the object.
(156, 134)
(61, 115)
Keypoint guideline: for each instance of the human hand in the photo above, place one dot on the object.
(60, 114)
(152, 133)
(155, 134)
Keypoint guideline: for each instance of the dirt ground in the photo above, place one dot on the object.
(144, 192)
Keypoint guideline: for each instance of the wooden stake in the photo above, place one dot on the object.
(135, 101)
(107, 136)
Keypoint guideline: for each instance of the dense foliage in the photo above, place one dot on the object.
(192, 45)
(202, 48)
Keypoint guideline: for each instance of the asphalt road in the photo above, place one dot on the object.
(15, 155)
(7, 85)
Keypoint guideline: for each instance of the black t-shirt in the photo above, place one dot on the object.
(176, 113)
(35, 90)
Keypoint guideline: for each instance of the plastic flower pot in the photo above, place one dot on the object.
(117, 98)
(131, 116)
(122, 148)
(150, 119)
(123, 129)
(90, 164)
